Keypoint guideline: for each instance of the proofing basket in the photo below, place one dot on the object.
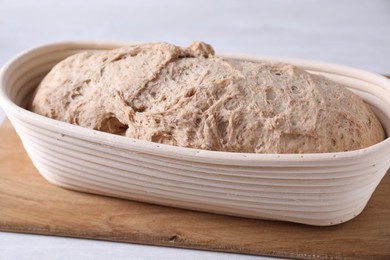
(316, 189)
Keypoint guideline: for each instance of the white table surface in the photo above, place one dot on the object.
(348, 32)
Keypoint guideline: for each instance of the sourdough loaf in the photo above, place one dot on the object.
(189, 97)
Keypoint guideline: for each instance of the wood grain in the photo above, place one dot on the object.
(29, 204)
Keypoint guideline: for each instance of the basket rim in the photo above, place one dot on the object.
(185, 153)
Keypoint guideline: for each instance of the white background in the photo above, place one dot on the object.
(348, 32)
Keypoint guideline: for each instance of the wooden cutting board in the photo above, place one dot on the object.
(29, 204)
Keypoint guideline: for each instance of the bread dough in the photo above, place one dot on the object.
(191, 98)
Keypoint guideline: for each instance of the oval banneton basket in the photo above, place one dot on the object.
(316, 189)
